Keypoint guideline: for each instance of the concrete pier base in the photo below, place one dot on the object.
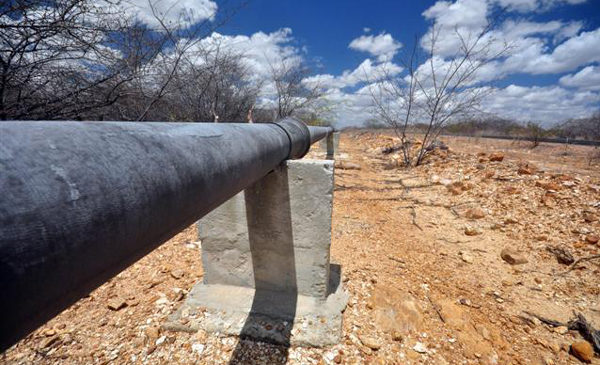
(266, 260)
(270, 316)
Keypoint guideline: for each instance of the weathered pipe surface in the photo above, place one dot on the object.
(81, 201)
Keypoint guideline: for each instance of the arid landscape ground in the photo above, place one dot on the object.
(458, 261)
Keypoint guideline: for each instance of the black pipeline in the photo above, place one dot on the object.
(81, 201)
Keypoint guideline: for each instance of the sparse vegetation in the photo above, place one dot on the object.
(535, 133)
(87, 60)
(436, 89)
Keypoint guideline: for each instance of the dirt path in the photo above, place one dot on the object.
(421, 257)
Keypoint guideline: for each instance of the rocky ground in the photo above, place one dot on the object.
(458, 261)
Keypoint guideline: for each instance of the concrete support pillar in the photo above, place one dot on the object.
(265, 254)
(331, 144)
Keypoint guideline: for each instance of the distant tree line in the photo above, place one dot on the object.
(583, 128)
(489, 126)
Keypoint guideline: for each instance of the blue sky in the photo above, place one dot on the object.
(327, 27)
(552, 73)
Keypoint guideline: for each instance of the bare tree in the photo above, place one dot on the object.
(436, 90)
(586, 128)
(394, 101)
(174, 41)
(593, 128)
(183, 39)
(83, 59)
(292, 94)
(214, 84)
(535, 132)
(54, 61)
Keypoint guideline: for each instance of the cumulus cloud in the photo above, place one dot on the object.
(170, 12)
(473, 13)
(367, 71)
(550, 47)
(535, 47)
(350, 109)
(586, 79)
(567, 56)
(382, 46)
(553, 46)
(517, 29)
(545, 104)
(569, 30)
(462, 13)
(259, 50)
(535, 5)
(353, 108)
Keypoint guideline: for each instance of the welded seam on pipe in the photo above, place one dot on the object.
(289, 154)
(299, 136)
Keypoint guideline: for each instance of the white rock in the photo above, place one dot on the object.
(198, 347)
(160, 340)
(420, 348)
(445, 182)
(329, 356)
(162, 301)
(466, 257)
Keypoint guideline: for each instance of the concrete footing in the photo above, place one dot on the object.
(265, 254)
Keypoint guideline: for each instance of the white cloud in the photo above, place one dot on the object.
(545, 104)
(516, 29)
(535, 5)
(551, 47)
(569, 30)
(449, 19)
(462, 13)
(367, 71)
(539, 47)
(382, 46)
(443, 67)
(473, 13)
(170, 12)
(574, 52)
(533, 45)
(260, 50)
(350, 109)
(586, 79)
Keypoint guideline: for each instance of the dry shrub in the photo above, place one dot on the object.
(594, 157)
